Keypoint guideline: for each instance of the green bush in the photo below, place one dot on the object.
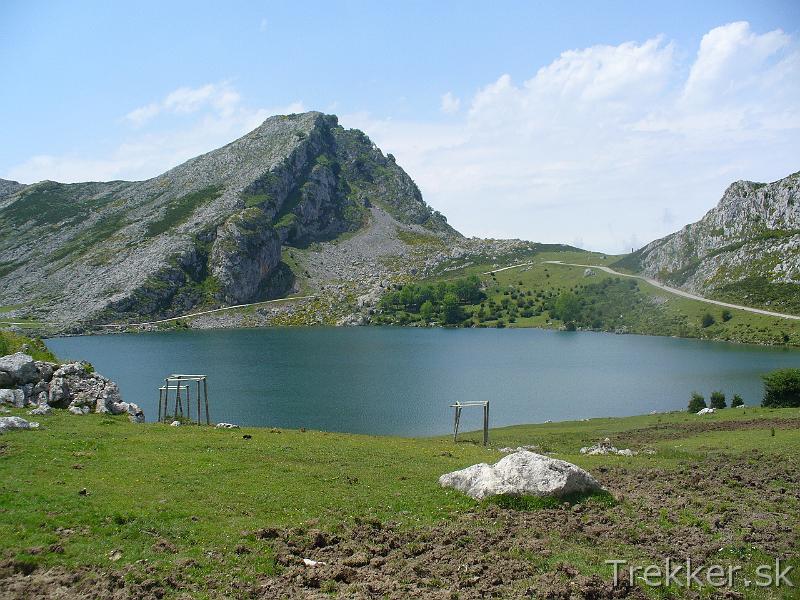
(737, 401)
(726, 315)
(696, 403)
(707, 320)
(717, 400)
(782, 388)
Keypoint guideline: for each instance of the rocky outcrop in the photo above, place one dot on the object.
(72, 386)
(246, 251)
(522, 474)
(8, 187)
(746, 249)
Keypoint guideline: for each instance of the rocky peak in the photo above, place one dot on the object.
(207, 232)
(746, 249)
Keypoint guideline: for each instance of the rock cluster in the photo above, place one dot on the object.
(522, 474)
(606, 447)
(73, 386)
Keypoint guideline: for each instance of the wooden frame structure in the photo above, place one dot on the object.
(458, 406)
(181, 386)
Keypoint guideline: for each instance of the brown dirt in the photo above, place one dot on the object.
(741, 503)
(671, 431)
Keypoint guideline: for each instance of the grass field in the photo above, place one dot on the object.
(181, 506)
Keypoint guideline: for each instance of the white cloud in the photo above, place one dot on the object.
(450, 104)
(217, 117)
(187, 100)
(262, 27)
(615, 144)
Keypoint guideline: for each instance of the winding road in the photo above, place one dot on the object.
(659, 285)
(207, 312)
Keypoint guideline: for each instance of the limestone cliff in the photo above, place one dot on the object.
(745, 250)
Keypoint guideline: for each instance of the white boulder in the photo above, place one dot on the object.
(522, 473)
(18, 368)
(42, 409)
(7, 423)
(705, 411)
(227, 426)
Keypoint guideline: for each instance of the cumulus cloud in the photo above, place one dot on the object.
(615, 143)
(186, 100)
(217, 116)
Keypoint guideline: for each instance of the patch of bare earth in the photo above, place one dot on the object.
(738, 503)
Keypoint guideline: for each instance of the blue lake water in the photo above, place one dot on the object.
(401, 380)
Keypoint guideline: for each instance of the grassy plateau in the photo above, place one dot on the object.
(192, 509)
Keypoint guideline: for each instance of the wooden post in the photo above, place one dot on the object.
(486, 424)
(456, 421)
(205, 394)
(199, 412)
(166, 398)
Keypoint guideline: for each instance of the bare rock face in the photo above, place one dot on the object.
(522, 473)
(246, 251)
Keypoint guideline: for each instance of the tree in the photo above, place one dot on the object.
(737, 401)
(718, 400)
(567, 307)
(451, 310)
(426, 310)
(782, 388)
(707, 320)
(696, 403)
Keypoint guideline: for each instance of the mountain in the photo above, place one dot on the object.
(217, 230)
(745, 250)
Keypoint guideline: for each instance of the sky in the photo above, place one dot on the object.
(599, 124)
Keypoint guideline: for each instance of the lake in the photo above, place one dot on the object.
(401, 380)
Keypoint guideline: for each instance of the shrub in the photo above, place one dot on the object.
(782, 388)
(726, 315)
(737, 401)
(717, 399)
(707, 320)
(696, 403)
(426, 311)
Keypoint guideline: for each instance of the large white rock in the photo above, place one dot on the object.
(522, 474)
(19, 368)
(706, 411)
(7, 423)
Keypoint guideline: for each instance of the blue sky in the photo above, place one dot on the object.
(597, 123)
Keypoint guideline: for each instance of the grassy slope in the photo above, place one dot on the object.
(11, 342)
(199, 488)
(661, 313)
